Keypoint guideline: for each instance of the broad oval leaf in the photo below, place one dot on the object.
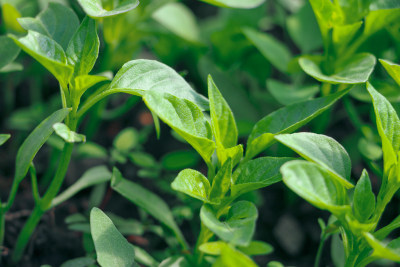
(363, 198)
(257, 173)
(8, 51)
(112, 248)
(287, 120)
(391, 68)
(237, 228)
(57, 21)
(316, 185)
(192, 183)
(323, 150)
(355, 70)
(35, 141)
(390, 251)
(235, 3)
(4, 138)
(83, 48)
(138, 76)
(222, 120)
(185, 118)
(95, 9)
(48, 53)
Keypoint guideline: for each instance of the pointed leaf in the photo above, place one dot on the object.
(392, 68)
(8, 51)
(235, 3)
(112, 248)
(237, 228)
(69, 136)
(9, 17)
(323, 150)
(355, 70)
(386, 230)
(235, 153)
(192, 183)
(363, 198)
(287, 120)
(379, 19)
(4, 138)
(185, 118)
(222, 121)
(84, 82)
(221, 182)
(95, 9)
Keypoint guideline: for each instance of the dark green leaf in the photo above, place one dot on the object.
(289, 94)
(79, 262)
(8, 51)
(363, 198)
(95, 9)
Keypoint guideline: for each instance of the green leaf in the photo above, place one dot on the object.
(48, 53)
(235, 3)
(143, 159)
(316, 185)
(93, 176)
(379, 19)
(112, 248)
(95, 9)
(388, 125)
(79, 262)
(179, 19)
(178, 160)
(213, 248)
(175, 261)
(257, 173)
(84, 82)
(323, 150)
(222, 120)
(83, 48)
(344, 34)
(69, 136)
(221, 182)
(273, 50)
(8, 51)
(57, 22)
(288, 94)
(390, 251)
(192, 183)
(146, 200)
(4, 138)
(287, 120)
(235, 153)
(138, 76)
(327, 14)
(356, 69)
(391, 68)
(386, 230)
(257, 248)
(9, 17)
(185, 118)
(35, 141)
(126, 140)
(233, 258)
(363, 198)
(238, 226)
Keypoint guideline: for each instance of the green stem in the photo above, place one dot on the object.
(320, 249)
(2, 228)
(204, 236)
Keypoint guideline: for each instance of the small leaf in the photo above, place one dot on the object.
(4, 138)
(192, 183)
(69, 136)
(8, 51)
(48, 53)
(237, 228)
(257, 173)
(257, 248)
(83, 48)
(235, 3)
(35, 141)
(233, 258)
(112, 248)
(10, 16)
(379, 19)
(287, 120)
(391, 68)
(390, 251)
(221, 182)
(363, 198)
(143, 159)
(213, 248)
(138, 76)
(222, 121)
(355, 70)
(84, 82)
(273, 50)
(185, 118)
(323, 150)
(126, 140)
(289, 94)
(235, 153)
(94, 8)
(316, 185)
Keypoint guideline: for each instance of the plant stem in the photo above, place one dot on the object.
(320, 249)
(2, 228)
(204, 236)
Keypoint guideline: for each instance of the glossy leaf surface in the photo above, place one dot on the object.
(192, 183)
(95, 9)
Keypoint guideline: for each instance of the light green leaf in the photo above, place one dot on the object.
(138, 76)
(379, 19)
(185, 118)
(255, 174)
(355, 70)
(112, 248)
(343, 34)
(95, 9)
(84, 82)
(13, 66)
(323, 150)
(65, 133)
(221, 182)
(35, 141)
(328, 15)
(388, 125)
(363, 198)
(142, 159)
(48, 53)
(288, 94)
(316, 185)
(8, 51)
(192, 183)
(175, 261)
(233, 258)
(93, 176)
(390, 251)
(179, 19)
(83, 48)
(235, 153)
(235, 3)
(126, 140)
(9, 17)
(57, 21)
(237, 228)
(287, 120)
(392, 68)
(213, 248)
(386, 230)
(146, 200)
(273, 50)
(4, 138)
(222, 120)
(257, 248)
